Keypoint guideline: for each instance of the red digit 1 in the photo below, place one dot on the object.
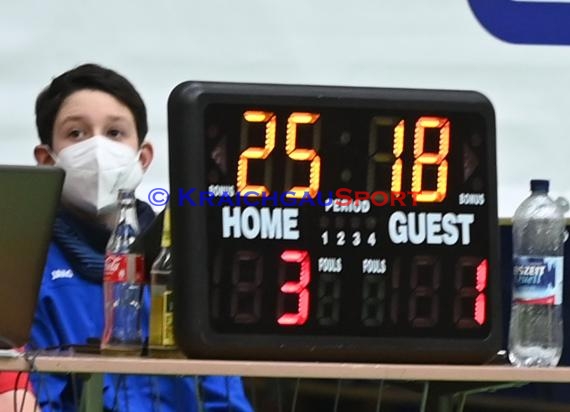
(470, 309)
(480, 285)
(298, 288)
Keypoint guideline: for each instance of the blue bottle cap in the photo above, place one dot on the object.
(537, 185)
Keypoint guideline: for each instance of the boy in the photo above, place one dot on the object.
(92, 122)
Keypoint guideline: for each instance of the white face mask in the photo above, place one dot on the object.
(95, 170)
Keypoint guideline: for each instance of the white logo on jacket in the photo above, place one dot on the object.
(61, 274)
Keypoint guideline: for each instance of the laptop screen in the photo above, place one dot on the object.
(29, 199)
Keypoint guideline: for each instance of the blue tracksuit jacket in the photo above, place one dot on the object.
(70, 310)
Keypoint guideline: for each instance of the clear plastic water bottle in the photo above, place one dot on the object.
(123, 284)
(535, 332)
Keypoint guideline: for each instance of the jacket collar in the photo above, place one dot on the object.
(83, 242)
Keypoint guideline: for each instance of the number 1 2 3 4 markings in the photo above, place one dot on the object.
(341, 238)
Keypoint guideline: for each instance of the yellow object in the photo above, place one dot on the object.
(161, 339)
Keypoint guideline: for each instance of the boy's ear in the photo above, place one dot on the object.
(147, 154)
(42, 153)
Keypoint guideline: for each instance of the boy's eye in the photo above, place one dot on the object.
(115, 133)
(76, 134)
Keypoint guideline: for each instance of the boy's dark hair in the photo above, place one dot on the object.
(91, 77)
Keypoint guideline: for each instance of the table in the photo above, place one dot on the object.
(440, 382)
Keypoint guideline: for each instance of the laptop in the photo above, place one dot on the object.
(29, 198)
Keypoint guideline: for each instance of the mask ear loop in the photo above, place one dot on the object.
(53, 155)
(138, 158)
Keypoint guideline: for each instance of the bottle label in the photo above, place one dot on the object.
(538, 280)
(168, 325)
(121, 268)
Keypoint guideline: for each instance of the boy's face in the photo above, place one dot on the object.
(87, 113)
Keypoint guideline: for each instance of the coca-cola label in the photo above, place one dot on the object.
(124, 268)
(538, 280)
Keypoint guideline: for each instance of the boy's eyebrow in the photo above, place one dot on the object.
(76, 117)
(113, 118)
(71, 118)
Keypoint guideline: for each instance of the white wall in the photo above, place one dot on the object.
(392, 43)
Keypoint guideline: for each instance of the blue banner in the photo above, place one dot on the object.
(525, 21)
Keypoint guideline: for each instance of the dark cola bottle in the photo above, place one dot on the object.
(123, 283)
